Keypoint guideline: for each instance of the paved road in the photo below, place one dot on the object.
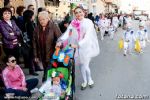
(117, 76)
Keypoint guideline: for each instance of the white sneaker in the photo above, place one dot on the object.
(142, 51)
(35, 90)
(83, 86)
(91, 84)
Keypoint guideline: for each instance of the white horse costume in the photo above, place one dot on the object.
(129, 40)
(103, 24)
(115, 22)
(142, 35)
(85, 37)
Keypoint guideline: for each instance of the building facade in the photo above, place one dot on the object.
(64, 6)
(16, 3)
(96, 6)
(103, 6)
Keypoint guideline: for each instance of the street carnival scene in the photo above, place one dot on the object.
(74, 50)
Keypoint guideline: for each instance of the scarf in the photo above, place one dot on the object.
(76, 24)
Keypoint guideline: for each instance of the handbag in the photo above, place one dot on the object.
(25, 38)
(25, 35)
(137, 46)
(121, 44)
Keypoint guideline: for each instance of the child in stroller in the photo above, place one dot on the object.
(60, 84)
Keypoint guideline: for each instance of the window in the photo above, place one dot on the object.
(94, 9)
(52, 3)
(93, 1)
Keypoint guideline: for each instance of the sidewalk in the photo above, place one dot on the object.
(26, 72)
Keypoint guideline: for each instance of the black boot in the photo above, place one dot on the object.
(37, 67)
(33, 73)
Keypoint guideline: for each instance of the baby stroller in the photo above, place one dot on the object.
(64, 63)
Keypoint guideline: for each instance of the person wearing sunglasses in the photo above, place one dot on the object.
(14, 79)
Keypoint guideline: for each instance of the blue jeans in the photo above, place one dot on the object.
(31, 84)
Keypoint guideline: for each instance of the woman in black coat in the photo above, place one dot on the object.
(30, 25)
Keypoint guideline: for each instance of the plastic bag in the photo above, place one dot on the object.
(137, 46)
(121, 44)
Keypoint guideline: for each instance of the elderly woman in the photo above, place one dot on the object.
(44, 40)
(10, 34)
(86, 42)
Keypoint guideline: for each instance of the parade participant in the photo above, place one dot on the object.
(142, 35)
(56, 86)
(121, 20)
(128, 20)
(111, 31)
(108, 22)
(96, 19)
(44, 40)
(87, 44)
(129, 39)
(102, 26)
(115, 22)
(14, 79)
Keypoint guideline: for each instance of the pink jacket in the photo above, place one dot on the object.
(14, 78)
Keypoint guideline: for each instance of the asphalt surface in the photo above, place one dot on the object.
(117, 77)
